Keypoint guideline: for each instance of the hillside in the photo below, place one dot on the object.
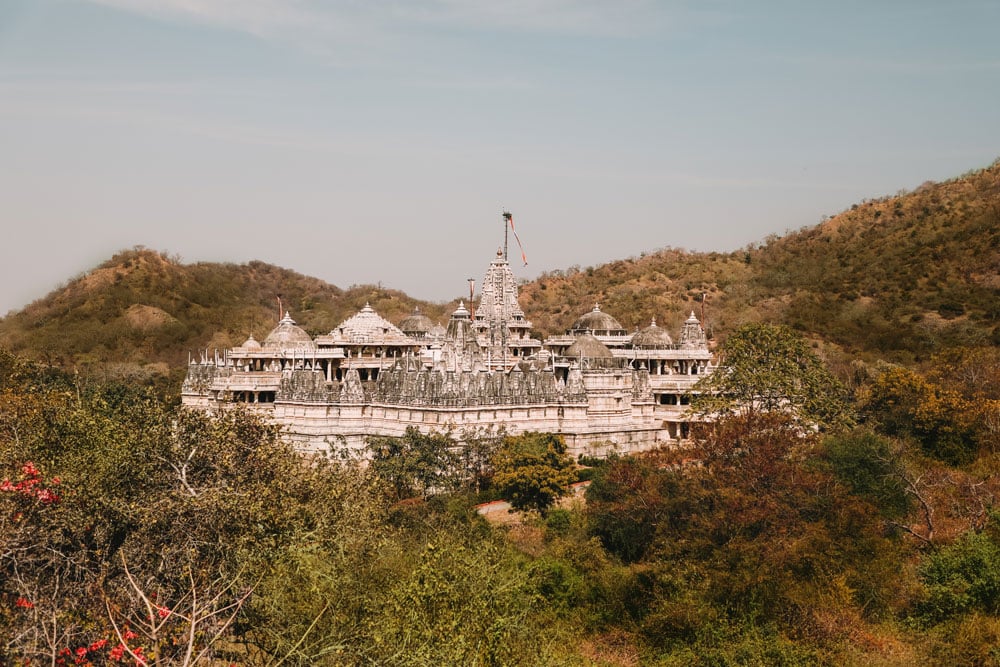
(899, 277)
(902, 276)
(142, 312)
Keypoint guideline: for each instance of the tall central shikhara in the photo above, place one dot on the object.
(499, 320)
(498, 300)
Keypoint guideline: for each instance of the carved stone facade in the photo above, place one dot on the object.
(601, 388)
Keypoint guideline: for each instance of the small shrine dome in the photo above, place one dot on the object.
(652, 337)
(598, 323)
(587, 346)
(250, 343)
(417, 324)
(288, 336)
(461, 313)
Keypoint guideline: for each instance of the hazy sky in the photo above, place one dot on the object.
(374, 140)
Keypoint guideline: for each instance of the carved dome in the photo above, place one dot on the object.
(598, 322)
(250, 343)
(652, 337)
(586, 346)
(288, 336)
(366, 326)
(416, 323)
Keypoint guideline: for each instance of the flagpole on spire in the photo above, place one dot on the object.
(506, 224)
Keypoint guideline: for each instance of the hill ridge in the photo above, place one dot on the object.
(897, 277)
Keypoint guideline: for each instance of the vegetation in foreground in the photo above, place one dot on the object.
(854, 528)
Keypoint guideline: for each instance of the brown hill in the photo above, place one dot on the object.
(142, 309)
(898, 277)
(902, 276)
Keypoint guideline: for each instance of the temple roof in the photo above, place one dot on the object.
(498, 294)
(288, 336)
(692, 335)
(366, 327)
(598, 321)
(416, 322)
(587, 346)
(652, 337)
(250, 343)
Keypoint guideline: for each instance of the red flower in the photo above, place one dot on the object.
(162, 612)
(47, 497)
(82, 651)
(130, 635)
(24, 603)
(117, 652)
(99, 644)
(29, 469)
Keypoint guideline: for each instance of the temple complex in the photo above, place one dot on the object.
(600, 387)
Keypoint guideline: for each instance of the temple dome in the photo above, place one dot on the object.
(416, 323)
(587, 346)
(367, 326)
(288, 336)
(250, 343)
(598, 322)
(652, 337)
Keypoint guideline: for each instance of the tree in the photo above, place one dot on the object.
(963, 576)
(416, 463)
(533, 470)
(871, 469)
(768, 368)
(903, 403)
(132, 529)
(633, 499)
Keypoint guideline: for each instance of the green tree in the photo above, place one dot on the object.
(866, 462)
(117, 512)
(768, 368)
(903, 403)
(634, 499)
(533, 470)
(417, 463)
(964, 576)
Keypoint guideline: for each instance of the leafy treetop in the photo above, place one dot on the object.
(768, 368)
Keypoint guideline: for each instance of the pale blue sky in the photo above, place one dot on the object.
(366, 141)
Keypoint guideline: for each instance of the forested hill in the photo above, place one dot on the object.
(911, 273)
(899, 277)
(144, 312)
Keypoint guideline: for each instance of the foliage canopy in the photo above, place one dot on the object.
(768, 368)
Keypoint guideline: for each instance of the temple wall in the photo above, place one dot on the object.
(597, 411)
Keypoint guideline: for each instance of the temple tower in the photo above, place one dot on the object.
(499, 321)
